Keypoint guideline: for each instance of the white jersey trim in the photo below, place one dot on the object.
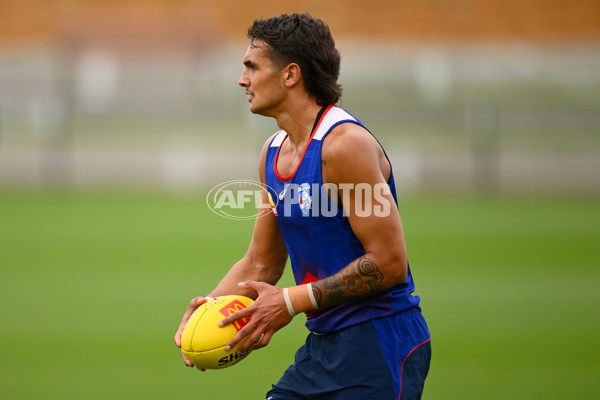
(334, 116)
(278, 139)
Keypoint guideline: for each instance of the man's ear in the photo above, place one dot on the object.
(291, 75)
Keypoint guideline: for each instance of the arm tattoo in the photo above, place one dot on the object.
(359, 279)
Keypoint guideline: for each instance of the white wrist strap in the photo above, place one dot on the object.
(288, 302)
(312, 296)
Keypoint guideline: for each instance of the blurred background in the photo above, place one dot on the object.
(116, 118)
(469, 95)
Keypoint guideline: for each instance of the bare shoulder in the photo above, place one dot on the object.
(263, 154)
(268, 142)
(349, 138)
(350, 152)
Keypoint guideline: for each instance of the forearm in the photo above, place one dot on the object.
(361, 278)
(244, 270)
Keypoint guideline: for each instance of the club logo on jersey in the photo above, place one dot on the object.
(305, 201)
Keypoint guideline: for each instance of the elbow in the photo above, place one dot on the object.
(396, 268)
(399, 274)
(402, 274)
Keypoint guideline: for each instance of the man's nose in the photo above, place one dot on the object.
(243, 81)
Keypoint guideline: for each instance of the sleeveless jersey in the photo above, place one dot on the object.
(318, 236)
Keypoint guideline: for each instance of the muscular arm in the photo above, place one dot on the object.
(266, 256)
(264, 262)
(359, 279)
(351, 156)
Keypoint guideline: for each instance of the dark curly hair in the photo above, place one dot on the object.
(306, 41)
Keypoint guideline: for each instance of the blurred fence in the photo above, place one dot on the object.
(490, 118)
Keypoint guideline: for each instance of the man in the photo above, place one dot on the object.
(334, 212)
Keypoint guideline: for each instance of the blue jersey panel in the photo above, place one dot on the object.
(318, 235)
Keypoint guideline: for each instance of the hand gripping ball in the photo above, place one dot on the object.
(203, 341)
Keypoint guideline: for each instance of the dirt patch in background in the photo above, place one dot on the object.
(408, 20)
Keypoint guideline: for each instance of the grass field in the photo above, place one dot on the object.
(93, 286)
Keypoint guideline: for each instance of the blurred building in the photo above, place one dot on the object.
(467, 95)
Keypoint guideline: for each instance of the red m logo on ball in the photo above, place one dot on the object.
(234, 307)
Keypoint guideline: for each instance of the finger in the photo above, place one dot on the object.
(200, 369)
(187, 362)
(252, 340)
(265, 340)
(194, 304)
(178, 335)
(252, 285)
(243, 313)
(245, 331)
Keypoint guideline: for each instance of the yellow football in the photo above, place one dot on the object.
(203, 342)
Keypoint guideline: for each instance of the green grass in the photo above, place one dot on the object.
(93, 287)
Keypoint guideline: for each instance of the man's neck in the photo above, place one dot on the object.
(298, 122)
